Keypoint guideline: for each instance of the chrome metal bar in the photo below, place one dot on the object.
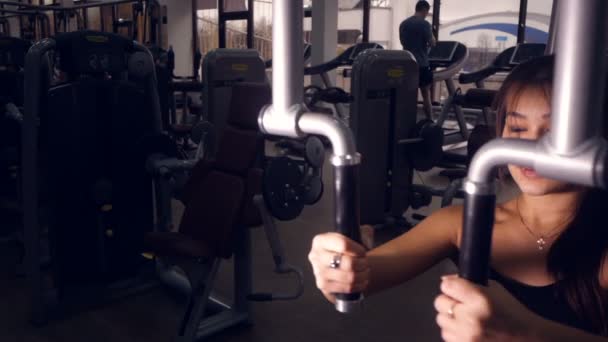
(287, 54)
(550, 48)
(341, 138)
(287, 116)
(577, 90)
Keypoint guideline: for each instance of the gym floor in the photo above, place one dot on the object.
(404, 313)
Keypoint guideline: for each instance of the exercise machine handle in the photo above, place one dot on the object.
(347, 222)
(475, 244)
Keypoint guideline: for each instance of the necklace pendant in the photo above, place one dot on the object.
(541, 243)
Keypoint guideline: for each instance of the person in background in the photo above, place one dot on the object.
(416, 36)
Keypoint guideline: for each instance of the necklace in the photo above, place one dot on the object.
(541, 240)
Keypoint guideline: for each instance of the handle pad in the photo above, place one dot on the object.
(347, 217)
(476, 243)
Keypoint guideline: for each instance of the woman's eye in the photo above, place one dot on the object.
(516, 129)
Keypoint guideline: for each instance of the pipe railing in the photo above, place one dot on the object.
(573, 151)
(288, 116)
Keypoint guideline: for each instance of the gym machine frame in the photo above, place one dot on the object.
(29, 164)
(288, 116)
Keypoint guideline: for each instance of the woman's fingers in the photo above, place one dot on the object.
(323, 258)
(337, 243)
(444, 304)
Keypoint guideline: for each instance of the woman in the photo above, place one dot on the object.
(549, 278)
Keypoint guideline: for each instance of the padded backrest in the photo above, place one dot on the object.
(216, 204)
(213, 216)
(238, 150)
(91, 52)
(251, 98)
(90, 140)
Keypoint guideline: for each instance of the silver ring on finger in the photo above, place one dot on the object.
(336, 260)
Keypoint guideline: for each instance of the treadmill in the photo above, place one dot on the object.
(446, 59)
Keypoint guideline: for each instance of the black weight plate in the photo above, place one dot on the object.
(281, 188)
(313, 190)
(426, 154)
(315, 152)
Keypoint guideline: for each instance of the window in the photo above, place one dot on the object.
(207, 26)
(538, 19)
(350, 24)
(485, 27)
(262, 27)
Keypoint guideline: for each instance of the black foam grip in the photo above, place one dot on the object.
(475, 244)
(347, 209)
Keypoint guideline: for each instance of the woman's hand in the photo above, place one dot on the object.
(352, 273)
(467, 312)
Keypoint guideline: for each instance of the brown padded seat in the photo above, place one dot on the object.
(208, 221)
(218, 196)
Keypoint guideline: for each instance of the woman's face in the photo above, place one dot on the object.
(530, 118)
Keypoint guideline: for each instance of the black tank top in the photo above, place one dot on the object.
(544, 301)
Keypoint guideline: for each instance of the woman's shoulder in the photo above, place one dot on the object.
(502, 212)
(451, 217)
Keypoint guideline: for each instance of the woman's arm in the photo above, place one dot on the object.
(403, 258)
(409, 255)
(545, 331)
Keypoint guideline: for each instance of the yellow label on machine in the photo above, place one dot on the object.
(97, 39)
(148, 256)
(240, 67)
(395, 73)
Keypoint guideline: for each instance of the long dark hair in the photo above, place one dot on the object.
(576, 258)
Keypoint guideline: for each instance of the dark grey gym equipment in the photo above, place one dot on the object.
(385, 92)
(86, 269)
(222, 68)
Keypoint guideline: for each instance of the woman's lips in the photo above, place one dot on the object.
(529, 172)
